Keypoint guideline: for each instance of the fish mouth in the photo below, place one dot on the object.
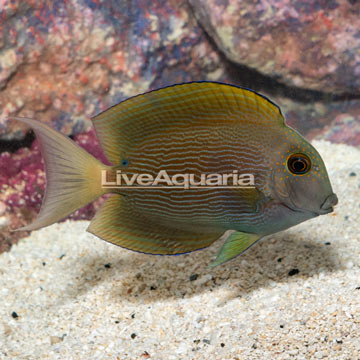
(326, 211)
(329, 202)
(297, 210)
(322, 211)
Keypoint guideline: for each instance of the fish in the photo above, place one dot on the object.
(169, 151)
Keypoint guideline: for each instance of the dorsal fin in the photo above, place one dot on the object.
(189, 104)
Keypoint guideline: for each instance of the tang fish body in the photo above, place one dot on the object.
(205, 137)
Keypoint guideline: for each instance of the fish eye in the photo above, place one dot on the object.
(299, 164)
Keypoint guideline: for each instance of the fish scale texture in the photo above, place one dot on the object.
(65, 294)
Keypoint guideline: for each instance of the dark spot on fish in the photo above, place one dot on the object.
(133, 316)
(222, 344)
(346, 217)
(61, 256)
(117, 321)
(281, 326)
(133, 335)
(254, 346)
(196, 341)
(125, 162)
(206, 341)
(108, 265)
(279, 259)
(339, 341)
(328, 243)
(357, 288)
(293, 272)
(43, 263)
(152, 287)
(193, 277)
(352, 174)
(14, 315)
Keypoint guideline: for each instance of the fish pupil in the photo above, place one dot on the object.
(299, 164)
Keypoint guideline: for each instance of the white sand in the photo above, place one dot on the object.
(250, 308)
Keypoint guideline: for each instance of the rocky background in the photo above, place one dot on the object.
(64, 61)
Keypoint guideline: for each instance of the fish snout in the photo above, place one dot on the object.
(327, 205)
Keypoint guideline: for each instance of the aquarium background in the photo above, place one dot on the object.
(64, 61)
(65, 294)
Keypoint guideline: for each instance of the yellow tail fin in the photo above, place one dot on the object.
(73, 176)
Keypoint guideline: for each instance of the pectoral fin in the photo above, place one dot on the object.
(234, 245)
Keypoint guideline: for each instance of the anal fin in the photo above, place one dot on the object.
(234, 245)
(121, 223)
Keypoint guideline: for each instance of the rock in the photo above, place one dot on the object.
(65, 61)
(62, 62)
(2, 208)
(55, 340)
(3, 221)
(344, 129)
(122, 50)
(307, 44)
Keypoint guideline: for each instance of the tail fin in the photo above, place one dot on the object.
(73, 176)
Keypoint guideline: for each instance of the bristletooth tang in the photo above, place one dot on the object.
(199, 128)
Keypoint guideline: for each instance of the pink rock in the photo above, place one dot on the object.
(344, 129)
(311, 44)
(64, 61)
(2, 208)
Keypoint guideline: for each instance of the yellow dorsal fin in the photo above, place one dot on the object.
(122, 126)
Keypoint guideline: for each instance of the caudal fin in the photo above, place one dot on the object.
(73, 176)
